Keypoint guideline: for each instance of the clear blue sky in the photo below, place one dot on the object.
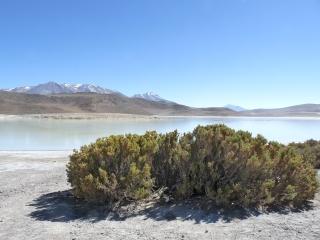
(253, 53)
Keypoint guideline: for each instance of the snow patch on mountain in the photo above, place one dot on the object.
(56, 88)
(151, 96)
(235, 108)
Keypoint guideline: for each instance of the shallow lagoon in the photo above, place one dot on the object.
(51, 134)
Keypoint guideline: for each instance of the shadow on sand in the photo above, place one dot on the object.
(63, 207)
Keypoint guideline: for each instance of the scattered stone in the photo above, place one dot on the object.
(165, 199)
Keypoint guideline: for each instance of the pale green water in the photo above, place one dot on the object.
(44, 134)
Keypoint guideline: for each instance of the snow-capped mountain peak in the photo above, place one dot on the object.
(56, 88)
(151, 96)
(18, 89)
(235, 108)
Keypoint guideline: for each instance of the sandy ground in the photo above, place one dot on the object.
(35, 204)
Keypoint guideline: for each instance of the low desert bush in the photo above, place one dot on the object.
(114, 168)
(310, 151)
(230, 167)
(234, 168)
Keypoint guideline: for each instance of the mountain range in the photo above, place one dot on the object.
(51, 88)
(56, 88)
(52, 97)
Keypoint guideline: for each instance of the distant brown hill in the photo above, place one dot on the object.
(22, 103)
(303, 110)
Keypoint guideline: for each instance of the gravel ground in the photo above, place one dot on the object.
(35, 203)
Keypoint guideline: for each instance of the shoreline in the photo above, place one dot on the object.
(36, 153)
(122, 116)
(79, 116)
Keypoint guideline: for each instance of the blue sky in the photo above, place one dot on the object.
(253, 53)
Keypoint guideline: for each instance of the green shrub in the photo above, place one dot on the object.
(310, 151)
(233, 168)
(230, 167)
(113, 168)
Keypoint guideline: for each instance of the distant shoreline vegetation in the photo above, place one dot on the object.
(231, 168)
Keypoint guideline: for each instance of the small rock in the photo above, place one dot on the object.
(165, 199)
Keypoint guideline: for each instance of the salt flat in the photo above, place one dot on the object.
(35, 203)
